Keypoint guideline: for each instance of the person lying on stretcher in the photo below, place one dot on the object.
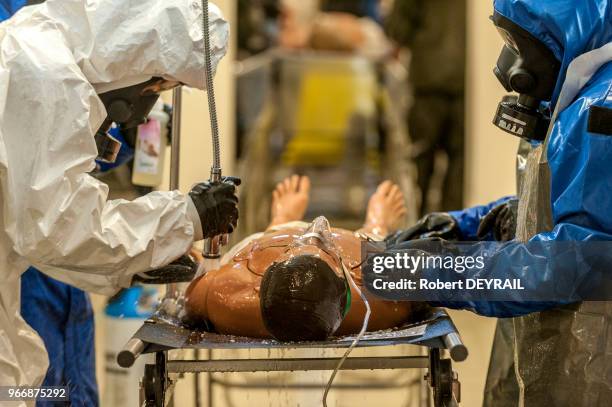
(289, 282)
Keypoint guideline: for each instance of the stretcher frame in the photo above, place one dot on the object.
(157, 336)
(439, 334)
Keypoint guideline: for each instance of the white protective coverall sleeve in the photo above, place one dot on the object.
(54, 59)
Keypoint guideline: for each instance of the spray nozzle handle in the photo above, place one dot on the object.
(212, 246)
(215, 175)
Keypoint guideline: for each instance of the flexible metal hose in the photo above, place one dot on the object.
(210, 91)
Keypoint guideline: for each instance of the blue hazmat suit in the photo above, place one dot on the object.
(580, 178)
(557, 355)
(10, 7)
(63, 317)
(549, 353)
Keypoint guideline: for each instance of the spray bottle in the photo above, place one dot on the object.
(150, 153)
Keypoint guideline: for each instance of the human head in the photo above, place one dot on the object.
(542, 38)
(302, 299)
(340, 32)
(304, 295)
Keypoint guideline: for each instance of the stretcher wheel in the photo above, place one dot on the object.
(443, 381)
(155, 382)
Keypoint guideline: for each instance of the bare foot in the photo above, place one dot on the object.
(290, 200)
(386, 209)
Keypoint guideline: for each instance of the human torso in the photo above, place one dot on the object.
(229, 297)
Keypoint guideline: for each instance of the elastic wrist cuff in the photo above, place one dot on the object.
(194, 216)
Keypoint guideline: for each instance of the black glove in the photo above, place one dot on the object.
(182, 270)
(434, 225)
(501, 221)
(217, 205)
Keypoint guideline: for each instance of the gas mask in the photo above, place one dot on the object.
(129, 108)
(528, 67)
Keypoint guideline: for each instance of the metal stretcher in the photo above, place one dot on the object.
(164, 332)
(436, 332)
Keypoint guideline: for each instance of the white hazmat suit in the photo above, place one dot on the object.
(54, 60)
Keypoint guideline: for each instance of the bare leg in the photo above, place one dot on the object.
(386, 208)
(290, 200)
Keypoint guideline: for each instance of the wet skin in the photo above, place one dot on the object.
(229, 297)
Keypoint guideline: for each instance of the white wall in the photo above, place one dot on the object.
(490, 158)
(196, 149)
(490, 152)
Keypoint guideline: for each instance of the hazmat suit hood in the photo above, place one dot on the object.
(117, 44)
(569, 28)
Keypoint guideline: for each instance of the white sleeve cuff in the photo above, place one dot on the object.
(192, 214)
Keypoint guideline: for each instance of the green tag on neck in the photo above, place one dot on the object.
(347, 307)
